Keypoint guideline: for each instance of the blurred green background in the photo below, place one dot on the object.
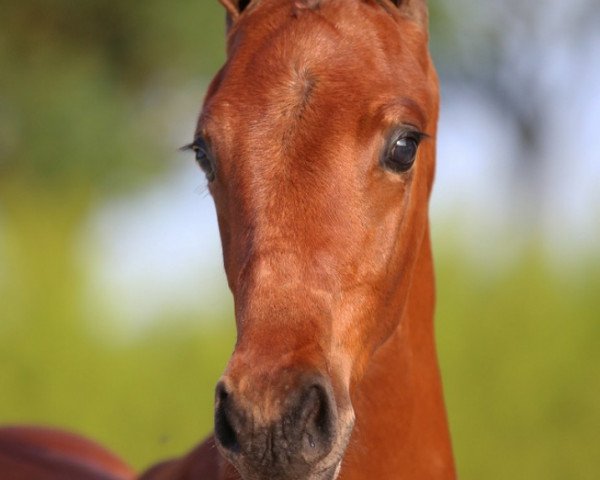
(102, 333)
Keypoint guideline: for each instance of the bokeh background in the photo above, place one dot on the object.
(115, 320)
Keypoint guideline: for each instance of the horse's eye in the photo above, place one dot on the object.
(202, 157)
(402, 152)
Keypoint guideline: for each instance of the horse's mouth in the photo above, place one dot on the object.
(328, 468)
(330, 473)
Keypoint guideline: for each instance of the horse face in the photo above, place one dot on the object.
(317, 138)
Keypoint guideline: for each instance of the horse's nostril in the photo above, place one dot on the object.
(221, 392)
(318, 418)
(224, 428)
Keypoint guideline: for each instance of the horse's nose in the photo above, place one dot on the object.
(290, 442)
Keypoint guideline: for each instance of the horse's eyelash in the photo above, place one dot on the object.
(410, 130)
(189, 147)
(421, 135)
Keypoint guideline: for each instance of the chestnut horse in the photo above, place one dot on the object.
(317, 139)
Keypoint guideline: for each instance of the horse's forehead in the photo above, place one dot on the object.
(283, 64)
(334, 39)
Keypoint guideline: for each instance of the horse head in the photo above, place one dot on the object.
(317, 138)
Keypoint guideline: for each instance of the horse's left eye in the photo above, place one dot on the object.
(202, 157)
(402, 152)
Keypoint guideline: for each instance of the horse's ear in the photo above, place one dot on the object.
(416, 9)
(234, 7)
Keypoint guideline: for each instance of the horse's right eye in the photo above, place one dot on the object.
(203, 158)
(402, 152)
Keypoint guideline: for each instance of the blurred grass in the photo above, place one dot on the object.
(520, 358)
(63, 364)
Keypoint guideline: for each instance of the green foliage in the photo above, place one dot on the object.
(78, 82)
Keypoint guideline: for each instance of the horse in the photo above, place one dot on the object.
(317, 139)
(36, 453)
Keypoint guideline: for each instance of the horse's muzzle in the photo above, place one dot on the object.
(295, 435)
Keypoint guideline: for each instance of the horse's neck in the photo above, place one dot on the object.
(401, 428)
